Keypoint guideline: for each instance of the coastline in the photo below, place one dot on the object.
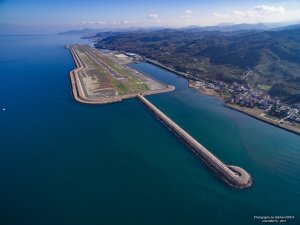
(258, 116)
(245, 110)
(191, 84)
(182, 74)
(205, 91)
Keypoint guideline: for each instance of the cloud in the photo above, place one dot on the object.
(124, 22)
(104, 23)
(259, 13)
(152, 16)
(188, 11)
(187, 15)
(93, 23)
(266, 9)
(238, 13)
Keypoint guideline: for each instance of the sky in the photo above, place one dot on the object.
(51, 16)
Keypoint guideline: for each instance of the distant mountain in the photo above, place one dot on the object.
(116, 32)
(230, 27)
(99, 32)
(85, 31)
(287, 27)
(272, 56)
(224, 27)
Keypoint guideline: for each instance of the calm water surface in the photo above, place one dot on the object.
(62, 162)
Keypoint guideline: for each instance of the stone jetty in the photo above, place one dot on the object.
(233, 175)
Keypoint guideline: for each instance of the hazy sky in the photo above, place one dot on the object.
(48, 16)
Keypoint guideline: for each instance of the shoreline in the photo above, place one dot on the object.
(215, 94)
(190, 79)
(262, 118)
(79, 93)
(205, 91)
(182, 74)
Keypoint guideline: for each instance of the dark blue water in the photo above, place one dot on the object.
(62, 162)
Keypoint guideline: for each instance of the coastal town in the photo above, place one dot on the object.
(254, 102)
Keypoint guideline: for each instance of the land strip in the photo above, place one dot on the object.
(101, 78)
(260, 115)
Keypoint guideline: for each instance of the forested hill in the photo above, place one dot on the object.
(269, 58)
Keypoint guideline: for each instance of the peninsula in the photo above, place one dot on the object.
(105, 77)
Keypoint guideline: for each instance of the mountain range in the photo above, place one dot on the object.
(259, 57)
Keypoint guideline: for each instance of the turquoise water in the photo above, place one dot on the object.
(62, 162)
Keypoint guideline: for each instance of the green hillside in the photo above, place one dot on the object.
(270, 58)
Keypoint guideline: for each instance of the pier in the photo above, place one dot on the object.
(233, 175)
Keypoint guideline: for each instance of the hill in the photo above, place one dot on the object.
(264, 57)
(86, 31)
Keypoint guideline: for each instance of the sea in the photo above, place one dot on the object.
(63, 162)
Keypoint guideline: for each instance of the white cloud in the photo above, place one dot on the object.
(188, 11)
(104, 23)
(124, 22)
(152, 16)
(187, 15)
(266, 9)
(93, 23)
(259, 13)
(238, 13)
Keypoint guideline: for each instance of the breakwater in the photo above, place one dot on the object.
(233, 175)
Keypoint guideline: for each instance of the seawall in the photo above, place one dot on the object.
(233, 175)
